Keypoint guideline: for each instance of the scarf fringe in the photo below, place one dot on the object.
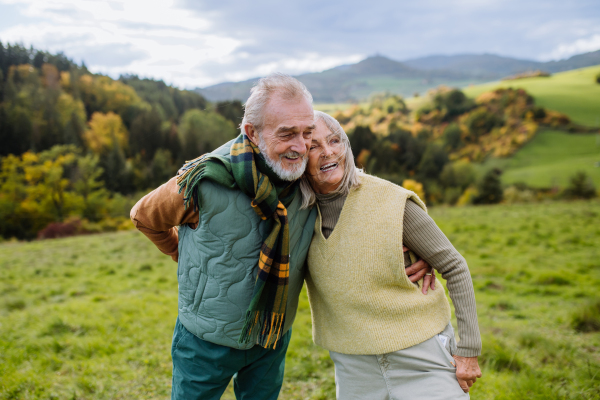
(270, 325)
(188, 178)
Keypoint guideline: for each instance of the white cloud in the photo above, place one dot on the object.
(153, 39)
(300, 63)
(578, 46)
(192, 43)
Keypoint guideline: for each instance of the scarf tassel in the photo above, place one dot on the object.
(188, 178)
(270, 325)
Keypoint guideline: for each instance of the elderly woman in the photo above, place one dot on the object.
(387, 339)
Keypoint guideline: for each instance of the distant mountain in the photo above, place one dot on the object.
(353, 82)
(495, 67)
(380, 74)
(481, 65)
(578, 61)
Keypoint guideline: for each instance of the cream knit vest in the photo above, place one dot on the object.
(361, 300)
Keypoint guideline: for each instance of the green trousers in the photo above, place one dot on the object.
(202, 370)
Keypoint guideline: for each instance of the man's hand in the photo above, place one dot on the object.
(419, 270)
(467, 371)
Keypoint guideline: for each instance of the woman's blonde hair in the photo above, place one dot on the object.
(351, 173)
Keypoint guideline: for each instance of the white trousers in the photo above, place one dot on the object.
(424, 371)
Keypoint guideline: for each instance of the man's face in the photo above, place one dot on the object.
(286, 135)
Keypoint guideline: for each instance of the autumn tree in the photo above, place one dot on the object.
(105, 132)
(203, 131)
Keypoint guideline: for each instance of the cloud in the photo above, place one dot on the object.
(153, 39)
(193, 43)
(578, 46)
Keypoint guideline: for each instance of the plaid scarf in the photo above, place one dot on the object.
(246, 169)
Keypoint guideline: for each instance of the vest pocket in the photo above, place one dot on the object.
(198, 295)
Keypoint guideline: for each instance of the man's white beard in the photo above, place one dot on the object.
(292, 174)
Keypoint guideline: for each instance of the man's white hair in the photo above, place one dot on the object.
(284, 85)
(351, 177)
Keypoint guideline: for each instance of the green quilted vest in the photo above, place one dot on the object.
(218, 262)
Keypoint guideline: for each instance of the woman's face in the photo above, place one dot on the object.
(326, 160)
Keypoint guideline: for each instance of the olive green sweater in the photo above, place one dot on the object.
(422, 236)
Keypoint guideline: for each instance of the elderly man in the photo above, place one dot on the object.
(241, 246)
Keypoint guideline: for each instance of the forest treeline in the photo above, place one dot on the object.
(83, 145)
(78, 149)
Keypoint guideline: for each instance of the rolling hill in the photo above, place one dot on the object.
(355, 82)
(574, 93)
(552, 157)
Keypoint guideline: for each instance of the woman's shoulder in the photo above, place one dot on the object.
(370, 182)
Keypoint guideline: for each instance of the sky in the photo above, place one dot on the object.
(197, 43)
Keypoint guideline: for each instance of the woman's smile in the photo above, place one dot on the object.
(326, 158)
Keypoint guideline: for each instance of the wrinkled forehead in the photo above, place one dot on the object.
(295, 111)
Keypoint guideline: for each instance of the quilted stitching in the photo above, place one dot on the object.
(217, 264)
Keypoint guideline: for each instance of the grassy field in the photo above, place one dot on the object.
(550, 159)
(574, 93)
(92, 317)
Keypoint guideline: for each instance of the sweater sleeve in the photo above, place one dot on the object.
(423, 237)
(158, 214)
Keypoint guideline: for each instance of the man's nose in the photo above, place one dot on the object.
(299, 145)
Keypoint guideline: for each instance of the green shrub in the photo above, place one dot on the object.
(513, 195)
(452, 137)
(580, 187)
(490, 188)
(480, 122)
(587, 318)
(598, 78)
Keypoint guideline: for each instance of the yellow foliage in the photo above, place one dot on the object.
(380, 114)
(65, 79)
(411, 184)
(67, 106)
(363, 158)
(467, 197)
(105, 130)
(110, 95)
(20, 72)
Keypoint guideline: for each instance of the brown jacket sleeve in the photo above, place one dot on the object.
(158, 214)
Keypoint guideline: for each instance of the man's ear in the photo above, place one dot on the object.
(251, 133)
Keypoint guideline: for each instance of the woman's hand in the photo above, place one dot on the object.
(419, 270)
(467, 371)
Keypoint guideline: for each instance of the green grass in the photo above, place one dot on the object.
(550, 159)
(92, 317)
(574, 93)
